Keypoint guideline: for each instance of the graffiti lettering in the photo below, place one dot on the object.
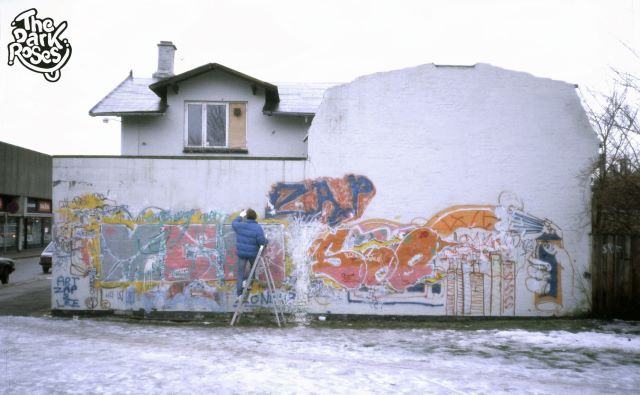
(156, 259)
(333, 200)
(472, 251)
(265, 298)
(66, 286)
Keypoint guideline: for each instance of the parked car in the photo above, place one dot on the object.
(7, 266)
(46, 256)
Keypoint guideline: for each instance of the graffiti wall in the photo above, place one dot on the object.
(110, 258)
(468, 260)
(325, 255)
(479, 207)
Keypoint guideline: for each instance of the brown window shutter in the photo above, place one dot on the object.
(237, 125)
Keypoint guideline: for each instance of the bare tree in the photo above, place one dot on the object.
(616, 175)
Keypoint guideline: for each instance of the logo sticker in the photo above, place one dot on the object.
(38, 44)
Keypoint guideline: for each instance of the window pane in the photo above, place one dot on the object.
(194, 124)
(216, 125)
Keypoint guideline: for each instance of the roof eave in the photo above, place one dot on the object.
(113, 90)
(289, 113)
(125, 113)
(160, 87)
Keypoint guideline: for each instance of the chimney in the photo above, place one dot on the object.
(166, 49)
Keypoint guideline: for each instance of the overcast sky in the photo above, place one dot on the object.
(296, 41)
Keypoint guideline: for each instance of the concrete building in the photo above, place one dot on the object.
(425, 191)
(25, 198)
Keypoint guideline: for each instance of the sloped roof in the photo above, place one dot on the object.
(131, 97)
(143, 96)
(299, 98)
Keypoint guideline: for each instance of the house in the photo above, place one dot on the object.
(210, 110)
(432, 190)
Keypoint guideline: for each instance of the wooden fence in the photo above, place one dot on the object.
(616, 276)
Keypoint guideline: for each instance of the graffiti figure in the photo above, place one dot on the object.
(544, 269)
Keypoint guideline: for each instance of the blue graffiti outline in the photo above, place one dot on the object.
(391, 303)
(358, 185)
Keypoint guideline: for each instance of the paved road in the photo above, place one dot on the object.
(28, 292)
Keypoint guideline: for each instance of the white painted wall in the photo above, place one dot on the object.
(174, 184)
(452, 135)
(432, 137)
(270, 136)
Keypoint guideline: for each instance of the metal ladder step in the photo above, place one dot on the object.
(259, 266)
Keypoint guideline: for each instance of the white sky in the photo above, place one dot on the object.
(296, 41)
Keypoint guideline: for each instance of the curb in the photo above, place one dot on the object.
(22, 255)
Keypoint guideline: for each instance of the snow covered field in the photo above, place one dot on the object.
(60, 356)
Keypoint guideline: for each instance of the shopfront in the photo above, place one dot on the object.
(8, 232)
(9, 222)
(25, 198)
(37, 223)
(24, 223)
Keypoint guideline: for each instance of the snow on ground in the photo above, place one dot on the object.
(66, 356)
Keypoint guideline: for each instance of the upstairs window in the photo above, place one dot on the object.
(206, 124)
(215, 127)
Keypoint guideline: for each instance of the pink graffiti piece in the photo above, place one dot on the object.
(346, 268)
(230, 261)
(415, 254)
(343, 267)
(274, 258)
(399, 266)
(381, 265)
(191, 252)
(508, 275)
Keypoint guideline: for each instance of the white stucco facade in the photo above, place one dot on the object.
(450, 191)
(164, 135)
(434, 137)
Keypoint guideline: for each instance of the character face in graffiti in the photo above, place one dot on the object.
(544, 269)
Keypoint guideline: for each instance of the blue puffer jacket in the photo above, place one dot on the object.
(249, 237)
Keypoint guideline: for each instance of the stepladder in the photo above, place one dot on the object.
(259, 267)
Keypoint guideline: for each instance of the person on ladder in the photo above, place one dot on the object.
(249, 238)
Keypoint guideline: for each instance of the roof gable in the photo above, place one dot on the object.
(203, 69)
(161, 86)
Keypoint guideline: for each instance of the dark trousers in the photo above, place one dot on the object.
(241, 272)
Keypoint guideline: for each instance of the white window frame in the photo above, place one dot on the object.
(203, 124)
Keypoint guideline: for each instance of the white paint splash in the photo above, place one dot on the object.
(300, 234)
